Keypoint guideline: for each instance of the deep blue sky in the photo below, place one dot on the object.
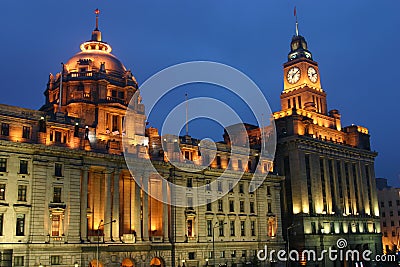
(355, 42)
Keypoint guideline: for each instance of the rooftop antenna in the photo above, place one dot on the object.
(297, 23)
(187, 107)
(97, 12)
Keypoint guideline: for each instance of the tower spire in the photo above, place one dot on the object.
(97, 12)
(297, 23)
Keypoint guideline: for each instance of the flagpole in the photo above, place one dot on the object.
(61, 84)
(187, 107)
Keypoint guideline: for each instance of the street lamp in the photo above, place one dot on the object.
(288, 242)
(98, 239)
(213, 239)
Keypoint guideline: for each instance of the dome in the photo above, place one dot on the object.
(94, 59)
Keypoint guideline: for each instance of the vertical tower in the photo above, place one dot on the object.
(329, 190)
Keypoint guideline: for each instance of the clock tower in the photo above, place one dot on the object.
(302, 84)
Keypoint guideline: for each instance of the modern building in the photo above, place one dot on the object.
(67, 197)
(389, 202)
(329, 190)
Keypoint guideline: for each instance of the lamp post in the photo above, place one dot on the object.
(213, 239)
(98, 239)
(288, 242)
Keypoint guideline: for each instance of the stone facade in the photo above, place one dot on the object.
(67, 197)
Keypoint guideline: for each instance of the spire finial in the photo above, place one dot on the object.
(97, 12)
(297, 23)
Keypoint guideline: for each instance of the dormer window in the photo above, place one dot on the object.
(82, 69)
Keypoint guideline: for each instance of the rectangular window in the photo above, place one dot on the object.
(253, 228)
(113, 93)
(55, 225)
(220, 205)
(241, 206)
(22, 192)
(115, 126)
(192, 255)
(58, 170)
(231, 206)
(219, 162)
(222, 254)
(57, 195)
(58, 136)
(190, 228)
(232, 228)
(391, 213)
(230, 187)
(190, 202)
(221, 228)
(241, 188)
(189, 182)
(242, 228)
(208, 185)
(240, 164)
(209, 205)
(390, 203)
(5, 129)
(121, 95)
(20, 231)
(268, 191)
(252, 210)
(23, 167)
(219, 186)
(243, 253)
(233, 254)
(209, 228)
(1, 223)
(2, 191)
(19, 261)
(55, 260)
(26, 132)
(382, 204)
(3, 165)
(269, 207)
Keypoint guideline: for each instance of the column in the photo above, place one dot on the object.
(84, 203)
(108, 200)
(165, 209)
(145, 186)
(115, 206)
(136, 217)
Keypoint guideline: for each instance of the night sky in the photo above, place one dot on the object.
(356, 44)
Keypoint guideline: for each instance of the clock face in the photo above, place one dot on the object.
(293, 75)
(312, 74)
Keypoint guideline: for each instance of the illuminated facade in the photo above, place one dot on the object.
(64, 181)
(389, 203)
(329, 191)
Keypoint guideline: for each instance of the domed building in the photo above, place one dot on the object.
(95, 88)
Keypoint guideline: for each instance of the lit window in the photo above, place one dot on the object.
(20, 231)
(55, 225)
(209, 228)
(253, 228)
(23, 167)
(2, 191)
(190, 228)
(242, 228)
(220, 205)
(22, 192)
(208, 185)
